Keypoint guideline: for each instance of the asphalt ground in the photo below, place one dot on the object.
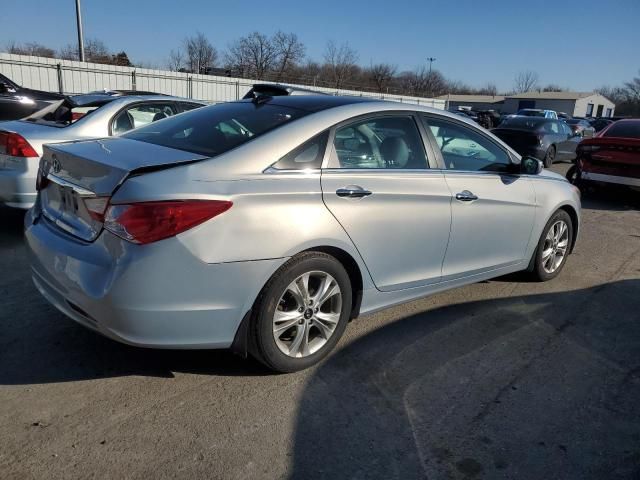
(501, 379)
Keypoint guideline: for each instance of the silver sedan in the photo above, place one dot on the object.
(265, 225)
(93, 115)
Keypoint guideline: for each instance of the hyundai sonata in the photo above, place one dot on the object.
(265, 225)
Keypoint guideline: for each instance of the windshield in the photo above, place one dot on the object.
(66, 111)
(624, 129)
(523, 123)
(214, 130)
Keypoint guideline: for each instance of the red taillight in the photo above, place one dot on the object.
(16, 146)
(152, 221)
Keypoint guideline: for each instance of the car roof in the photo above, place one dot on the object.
(310, 103)
(93, 99)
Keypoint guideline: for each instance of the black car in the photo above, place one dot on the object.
(600, 123)
(18, 102)
(277, 90)
(543, 138)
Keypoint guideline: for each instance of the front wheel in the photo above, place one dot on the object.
(553, 247)
(574, 176)
(301, 312)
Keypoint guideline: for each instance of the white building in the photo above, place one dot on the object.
(576, 104)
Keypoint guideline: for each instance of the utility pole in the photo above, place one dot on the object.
(430, 60)
(80, 37)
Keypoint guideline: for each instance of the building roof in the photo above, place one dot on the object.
(473, 98)
(553, 95)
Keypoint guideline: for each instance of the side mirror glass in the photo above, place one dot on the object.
(530, 166)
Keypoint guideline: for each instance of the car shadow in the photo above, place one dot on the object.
(540, 386)
(610, 198)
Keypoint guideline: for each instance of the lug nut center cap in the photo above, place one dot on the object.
(308, 314)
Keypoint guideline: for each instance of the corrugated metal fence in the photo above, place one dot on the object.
(70, 77)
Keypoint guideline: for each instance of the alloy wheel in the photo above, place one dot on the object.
(555, 246)
(307, 314)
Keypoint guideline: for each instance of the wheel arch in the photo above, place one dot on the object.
(575, 223)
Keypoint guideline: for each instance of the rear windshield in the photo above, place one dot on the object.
(624, 129)
(531, 113)
(65, 112)
(523, 123)
(216, 129)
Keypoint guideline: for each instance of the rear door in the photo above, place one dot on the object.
(395, 208)
(492, 209)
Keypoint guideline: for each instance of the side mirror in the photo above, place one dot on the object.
(530, 166)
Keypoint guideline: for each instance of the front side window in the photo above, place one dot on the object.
(141, 115)
(463, 148)
(391, 142)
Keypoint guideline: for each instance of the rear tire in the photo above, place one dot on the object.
(553, 247)
(550, 156)
(301, 312)
(574, 175)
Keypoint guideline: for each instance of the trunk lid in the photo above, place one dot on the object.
(80, 175)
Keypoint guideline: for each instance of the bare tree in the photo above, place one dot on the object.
(289, 52)
(525, 81)
(175, 61)
(381, 74)
(488, 89)
(201, 55)
(341, 62)
(31, 48)
(552, 87)
(254, 55)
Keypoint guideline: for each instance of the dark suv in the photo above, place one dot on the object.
(18, 102)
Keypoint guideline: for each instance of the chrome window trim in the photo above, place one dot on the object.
(83, 192)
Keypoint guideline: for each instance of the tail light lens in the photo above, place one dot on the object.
(16, 146)
(152, 221)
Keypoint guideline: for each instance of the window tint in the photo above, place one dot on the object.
(186, 106)
(309, 155)
(216, 129)
(626, 129)
(140, 115)
(465, 149)
(384, 142)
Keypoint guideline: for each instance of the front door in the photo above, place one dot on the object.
(492, 209)
(395, 209)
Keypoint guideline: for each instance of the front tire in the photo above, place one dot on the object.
(553, 247)
(301, 312)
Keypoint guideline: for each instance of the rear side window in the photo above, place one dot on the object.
(309, 155)
(391, 142)
(140, 115)
(216, 129)
(186, 106)
(624, 129)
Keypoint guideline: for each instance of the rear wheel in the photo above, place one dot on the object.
(553, 247)
(301, 312)
(550, 156)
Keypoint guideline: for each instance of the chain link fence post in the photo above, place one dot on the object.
(60, 81)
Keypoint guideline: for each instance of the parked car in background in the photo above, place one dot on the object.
(612, 157)
(265, 225)
(563, 116)
(535, 112)
(18, 102)
(543, 138)
(71, 118)
(599, 124)
(582, 127)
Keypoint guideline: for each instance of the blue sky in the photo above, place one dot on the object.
(581, 44)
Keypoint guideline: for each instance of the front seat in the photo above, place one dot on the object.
(123, 123)
(159, 116)
(395, 152)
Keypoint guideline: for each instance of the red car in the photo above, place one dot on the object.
(613, 156)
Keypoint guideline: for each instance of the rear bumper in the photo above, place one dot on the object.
(17, 188)
(600, 177)
(157, 295)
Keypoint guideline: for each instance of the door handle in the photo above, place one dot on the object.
(466, 196)
(353, 191)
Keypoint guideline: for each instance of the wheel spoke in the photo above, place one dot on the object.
(284, 321)
(328, 318)
(294, 347)
(546, 254)
(326, 329)
(328, 288)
